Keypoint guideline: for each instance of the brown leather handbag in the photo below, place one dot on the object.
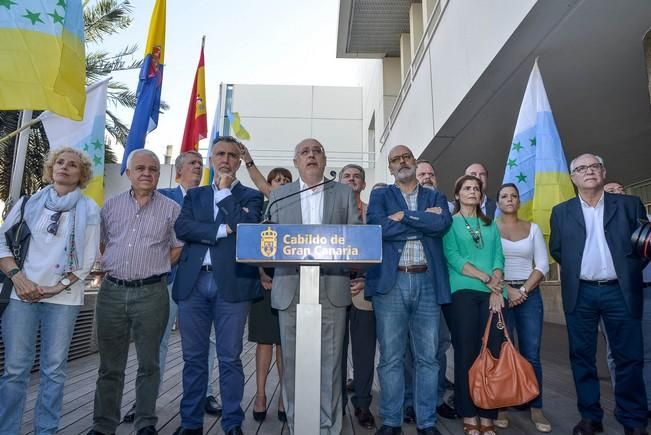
(505, 381)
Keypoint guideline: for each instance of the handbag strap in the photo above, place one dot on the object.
(21, 222)
(487, 330)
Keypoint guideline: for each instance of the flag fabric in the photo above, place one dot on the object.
(208, 174)
(145, 115)
(536, 161)
(237, 127)
(196, 122)
(86, 135)
(42, 56)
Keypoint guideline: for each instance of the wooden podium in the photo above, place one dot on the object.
(308, 247)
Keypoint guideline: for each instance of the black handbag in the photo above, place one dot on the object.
(18, 241)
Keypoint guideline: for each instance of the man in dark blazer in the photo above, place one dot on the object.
(601, 277)
(408, 289)
(333, 203)
(212, 288)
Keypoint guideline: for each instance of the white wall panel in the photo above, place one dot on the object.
(332, 102)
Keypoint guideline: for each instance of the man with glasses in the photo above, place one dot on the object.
(408, 289)
(601, 278)
(331, 203)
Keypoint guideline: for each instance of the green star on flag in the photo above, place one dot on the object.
(86, 147)
(62, 3)
(517, 146)
(97, 160)
(7, 3)
(521, 178)
(56, 18)
(533, 141)
(97, 144)
(512, 163)
(34, 17)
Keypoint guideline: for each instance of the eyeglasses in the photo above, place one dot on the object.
(405, 157)
(584, 168)
(54, 224)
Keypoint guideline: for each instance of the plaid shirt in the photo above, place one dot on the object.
(413, 253)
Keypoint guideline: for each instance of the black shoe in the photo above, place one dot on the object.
(212, 406)
(446, 411)
(410, 415)
(388, 430)
(635, 431)
(147, 430)
(429, 431)
(282, 416)
(130, 416)
(365, 418)
(350, 386)
(237, 430)
(587, 427)
(259, 416)
(184, 431)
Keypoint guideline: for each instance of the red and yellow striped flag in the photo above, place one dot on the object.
(196, 123)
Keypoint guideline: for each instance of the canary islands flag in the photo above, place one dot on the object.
(237, 127)
(196, 121)
(42, 56)
(145, 116)
(536, 161)
(86, 135)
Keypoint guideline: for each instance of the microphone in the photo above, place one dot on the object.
(267, 215)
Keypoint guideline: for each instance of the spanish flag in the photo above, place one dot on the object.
(145, 116)
(196, 123)
(42, 56)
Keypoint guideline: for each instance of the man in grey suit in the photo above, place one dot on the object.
(332, 203)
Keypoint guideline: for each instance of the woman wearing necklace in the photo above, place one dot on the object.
(475, 262)
(526, 263)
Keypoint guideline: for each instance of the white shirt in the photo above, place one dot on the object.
(219, 194)
(44, 253)
(311, 203)
(523, 256)
(597, 263)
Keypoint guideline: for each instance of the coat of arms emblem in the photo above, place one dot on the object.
(268, 242)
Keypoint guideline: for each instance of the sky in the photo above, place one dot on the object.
(247, 42)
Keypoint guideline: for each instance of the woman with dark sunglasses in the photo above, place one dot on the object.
(48, 291)
(475, 263)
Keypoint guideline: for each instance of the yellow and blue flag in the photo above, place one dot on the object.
(42, 56)
(536, 161)
(145, 115)
(237, 127)
(86, 135)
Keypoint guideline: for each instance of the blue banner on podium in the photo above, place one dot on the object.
(278, 244)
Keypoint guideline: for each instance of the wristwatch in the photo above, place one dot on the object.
(65, 282)
(249, 164)
(523, 290)
(487, 280)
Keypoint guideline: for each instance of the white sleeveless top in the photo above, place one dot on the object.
(525, 255)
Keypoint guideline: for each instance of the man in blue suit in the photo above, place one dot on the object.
(212, 288)
(408, 289)
(601, 277)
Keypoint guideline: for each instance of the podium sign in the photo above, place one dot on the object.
(280, 245)
(308, 247)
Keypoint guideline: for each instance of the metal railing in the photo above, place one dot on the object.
(277, 156)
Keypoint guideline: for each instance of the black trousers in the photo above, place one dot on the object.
(467, 316)
(361, 325)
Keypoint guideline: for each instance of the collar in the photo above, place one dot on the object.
(216, 189)
(584, 204)
(133, 195)
(302, 185)
(415, 191)
(183, 191)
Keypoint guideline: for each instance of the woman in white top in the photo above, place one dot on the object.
(525, 264)
(49, 289)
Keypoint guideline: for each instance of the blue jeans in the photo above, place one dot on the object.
(646, 335)
(527, 320)
(409, 309)
(20, 326)
(197, 314)
(625, 338)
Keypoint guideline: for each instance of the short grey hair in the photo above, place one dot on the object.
(305, 140)
(353, 166)
(144, 152)
(180, 160)
(573, 162)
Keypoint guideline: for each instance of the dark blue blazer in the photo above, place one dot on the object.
(176, 195)
(429, 228)
(197, 227)
(567, 240)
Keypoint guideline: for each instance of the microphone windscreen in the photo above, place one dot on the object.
(333, 174)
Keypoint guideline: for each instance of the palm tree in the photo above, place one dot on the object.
(101, 19)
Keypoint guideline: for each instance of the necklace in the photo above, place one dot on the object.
(474, 233)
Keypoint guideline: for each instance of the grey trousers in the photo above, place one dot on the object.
(333, 323)
(122, 311)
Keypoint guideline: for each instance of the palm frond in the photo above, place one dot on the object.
(106, 17)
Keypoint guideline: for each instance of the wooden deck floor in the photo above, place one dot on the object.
(559, 396)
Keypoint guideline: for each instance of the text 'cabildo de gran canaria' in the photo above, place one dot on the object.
(317, 245)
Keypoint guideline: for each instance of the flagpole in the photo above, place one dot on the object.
(20, 129)
(20, 154)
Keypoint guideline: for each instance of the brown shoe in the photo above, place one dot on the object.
(365, 418)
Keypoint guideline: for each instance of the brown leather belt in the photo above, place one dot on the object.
(419, 268)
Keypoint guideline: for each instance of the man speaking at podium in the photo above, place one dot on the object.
(329, 203)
